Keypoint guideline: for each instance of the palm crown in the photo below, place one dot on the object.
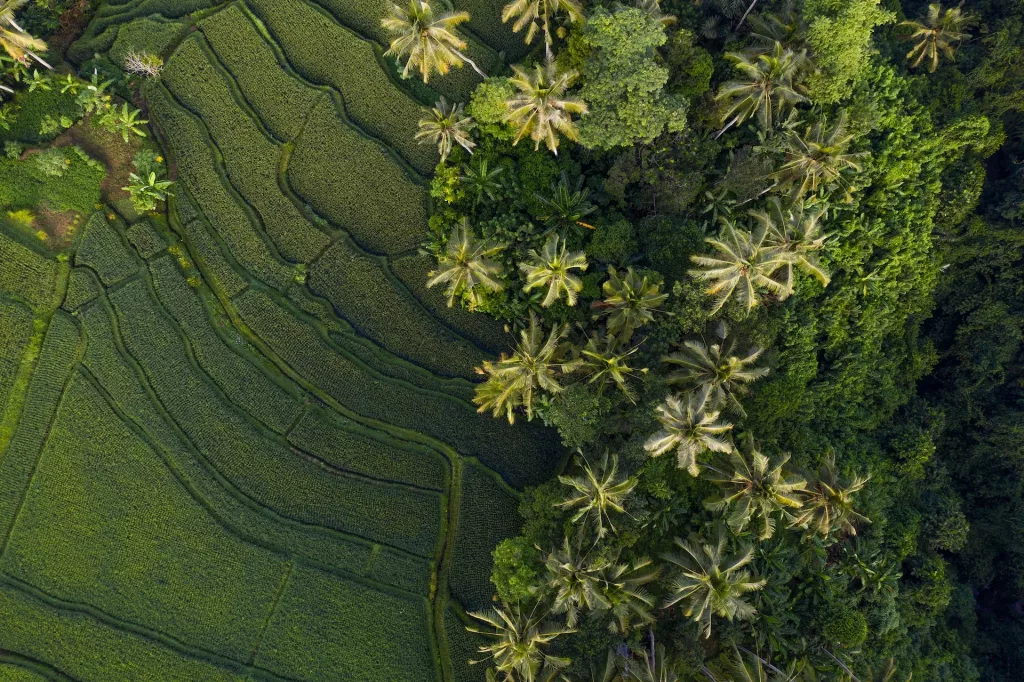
(691, 427)
(516, 642)
(630, 300)
(711, 582)
(598, 492)
(794, 236)
(605, 363)
(769, 87)
(465, 267)
(427, 41)
(541, 109)
(716, 368)
(552, 268)
(817, 158)
(628, 600)
(829, 504)
(576, 582)
(534, 15)
(446, 125)
(14, 40)
(936, 34)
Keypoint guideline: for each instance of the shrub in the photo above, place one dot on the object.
(517, 569)
(843, 625)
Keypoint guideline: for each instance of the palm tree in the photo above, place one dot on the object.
(15, 40)
(607, 671)
(598, 493)
(629, 602)
(568, 205)
(466, 266)
(712, 583)
(742, 267)
(770, 87)
(691, 427)
(537, 14)
(576, 582)
(629, 301)
(794, 235)
(653, 9)
(818, 158)
(936, 34)
(427, 41)
(829, 504)
(533, 366)
(606, 364)
(541, 108)
(751, 668)
(716, 368)
(446, 125)
(517, 642)
(481, 180)
(552, 268)
(654, 666)
(757, 490)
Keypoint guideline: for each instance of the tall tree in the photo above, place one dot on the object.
(534, 15)
(427, 41)
(552, 268)
(769, 87)
(829, 502)
(936, 34)
(575, 581)
(598, 492)
(466, 267)
(818, 159)
(446, 125)
(629, 602)
(794, 236)
(630, 301)
(14, 39)
(691, 427)
(605, 362)
(542, 109)
(516, 642)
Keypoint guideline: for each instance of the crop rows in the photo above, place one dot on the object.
(145, 239)
(327, 630)
(485, 21)
(280, 100)
(197, 171)
(82, 288)
(11, 672)
(251, 160)
(463, 647)
(102, 250)
(372, 101)
(154, 34)
(15, 335)
(104, 519)
(380, 308)
(339, 442)
(218, 270)
(262, 467)
(26, 275)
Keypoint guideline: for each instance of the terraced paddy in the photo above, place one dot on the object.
(237, 440)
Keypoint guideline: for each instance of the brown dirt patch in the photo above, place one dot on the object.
(72, 23)
(110, 149)
(59, 226)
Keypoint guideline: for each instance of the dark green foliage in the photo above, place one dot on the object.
(62, 179)
(31, 107)
(843, 625)
(152, 35)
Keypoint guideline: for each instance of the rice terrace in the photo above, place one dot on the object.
(529, 341)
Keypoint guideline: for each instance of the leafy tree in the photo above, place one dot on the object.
(446, 125)
(629, 303)
(828, 503)
(599, 492)
(817, 159)
(605, 363)
(794, 235)
(516, 642)
(575, 581)
(743, 267)
(427, 41)
(14, 39)
(691, 427)
(769, 88)
(552, 268)
(466, 267)
(712, 583)
(716, 369)
(756, 491)
(623, 80)
(533, 366)
(629, 602)
(542, 109)
(538, 14)
(936, 34)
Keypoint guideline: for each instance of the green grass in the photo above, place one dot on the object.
(353, 182)
(16, 328)
(280, 100)
(251, 159)
(488, 513)
(485, 21)
(26, 275)
(25, 184)
(372, 101)
(82, 288)
(104, 519)
(329, 630)
(103, 251)
(365, 293)
(216, 266)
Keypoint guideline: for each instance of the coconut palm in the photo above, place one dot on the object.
(541, 109)
(446, 125)
(567, 206)
(794, 235)
(817, 159)
(516, 642)
(575, 581)
(466, 268)
(717, 368)
(829, 505)
(534, 15)
(743, 267)
(769, 87)
(749, 668)
(14, 39)
(653, 9)
(597, 494)
(607, 671)
(936, 34)
(427, 41)
(629, 301)
(712, 583)
(552, 268)
(629, 602)
(605, 363)
(786, 27)
(533, 366)
(653, 666)
(756, 492)
(481, 180)
(691, 427)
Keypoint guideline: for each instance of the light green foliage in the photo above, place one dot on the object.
(517, 569)
(63, 179)
(623, 81)
(487, 107)
(843, 625)
(690, 65)
(26, 275)
(839, 35)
